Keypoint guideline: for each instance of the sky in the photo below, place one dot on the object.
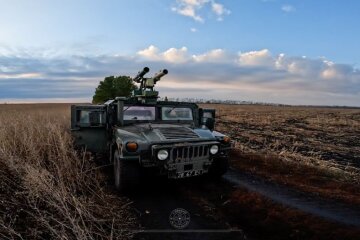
(276, 51)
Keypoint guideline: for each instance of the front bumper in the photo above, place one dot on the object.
(185, 159)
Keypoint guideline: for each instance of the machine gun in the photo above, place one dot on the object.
(146, 93)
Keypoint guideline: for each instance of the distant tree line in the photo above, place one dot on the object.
(219, 101)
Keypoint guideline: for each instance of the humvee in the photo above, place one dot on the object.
(175, 139)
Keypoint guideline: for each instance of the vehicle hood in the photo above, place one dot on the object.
(163, 133)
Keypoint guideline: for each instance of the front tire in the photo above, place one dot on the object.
(219, 167)
(126, 173)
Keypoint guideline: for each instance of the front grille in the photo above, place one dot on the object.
(178, 133)
(180, 154)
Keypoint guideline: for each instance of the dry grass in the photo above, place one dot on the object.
(47, 189)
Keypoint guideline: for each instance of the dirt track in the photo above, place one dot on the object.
(157, 198)
(329, 210)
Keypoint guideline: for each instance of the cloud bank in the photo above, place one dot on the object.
(256, 75)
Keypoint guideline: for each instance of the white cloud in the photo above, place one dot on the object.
(150, 53)
(189, 8)
(194, 2)
(181, 55)
(193, 29)
(256, 58)
(192, 9)
(338, 72)
(219, 10)
(330, 73)
(312, 68)
(288, 8)
(173, 55)
(215, 55)
(188, 11)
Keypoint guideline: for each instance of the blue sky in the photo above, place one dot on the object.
(296, 52)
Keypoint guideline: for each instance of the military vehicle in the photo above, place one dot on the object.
(140, 133)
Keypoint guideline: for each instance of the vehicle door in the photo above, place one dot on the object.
(88, 126)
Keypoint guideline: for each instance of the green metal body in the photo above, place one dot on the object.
(105, 128)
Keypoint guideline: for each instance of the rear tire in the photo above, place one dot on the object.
(219, 167)
(126, 173)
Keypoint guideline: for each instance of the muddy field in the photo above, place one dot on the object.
(325, 137)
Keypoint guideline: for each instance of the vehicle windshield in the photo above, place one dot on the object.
(139, 113)
(176, 113)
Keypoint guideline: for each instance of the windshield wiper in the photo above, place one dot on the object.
(126, 108)
(169, 111)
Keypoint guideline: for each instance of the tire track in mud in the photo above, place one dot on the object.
(157, 198)
(154, 200)
(324, 208)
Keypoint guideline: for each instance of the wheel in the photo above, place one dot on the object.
(126, 173)
(219, 167)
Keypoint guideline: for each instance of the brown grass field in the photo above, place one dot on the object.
(48, 190)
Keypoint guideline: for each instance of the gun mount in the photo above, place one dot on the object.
(146, 92)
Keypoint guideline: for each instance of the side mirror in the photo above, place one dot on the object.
(207, 118)
(210, 123)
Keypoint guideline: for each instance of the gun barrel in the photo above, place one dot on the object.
(160, 74)
(141, 74)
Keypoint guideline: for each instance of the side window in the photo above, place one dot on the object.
(83, 116)
(208, 115)
(207, 118)
(90, 118)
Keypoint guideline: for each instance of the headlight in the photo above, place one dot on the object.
(214, 149)
(162, 154)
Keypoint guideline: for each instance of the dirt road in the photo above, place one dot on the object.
(327, 209)
(156, 199)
